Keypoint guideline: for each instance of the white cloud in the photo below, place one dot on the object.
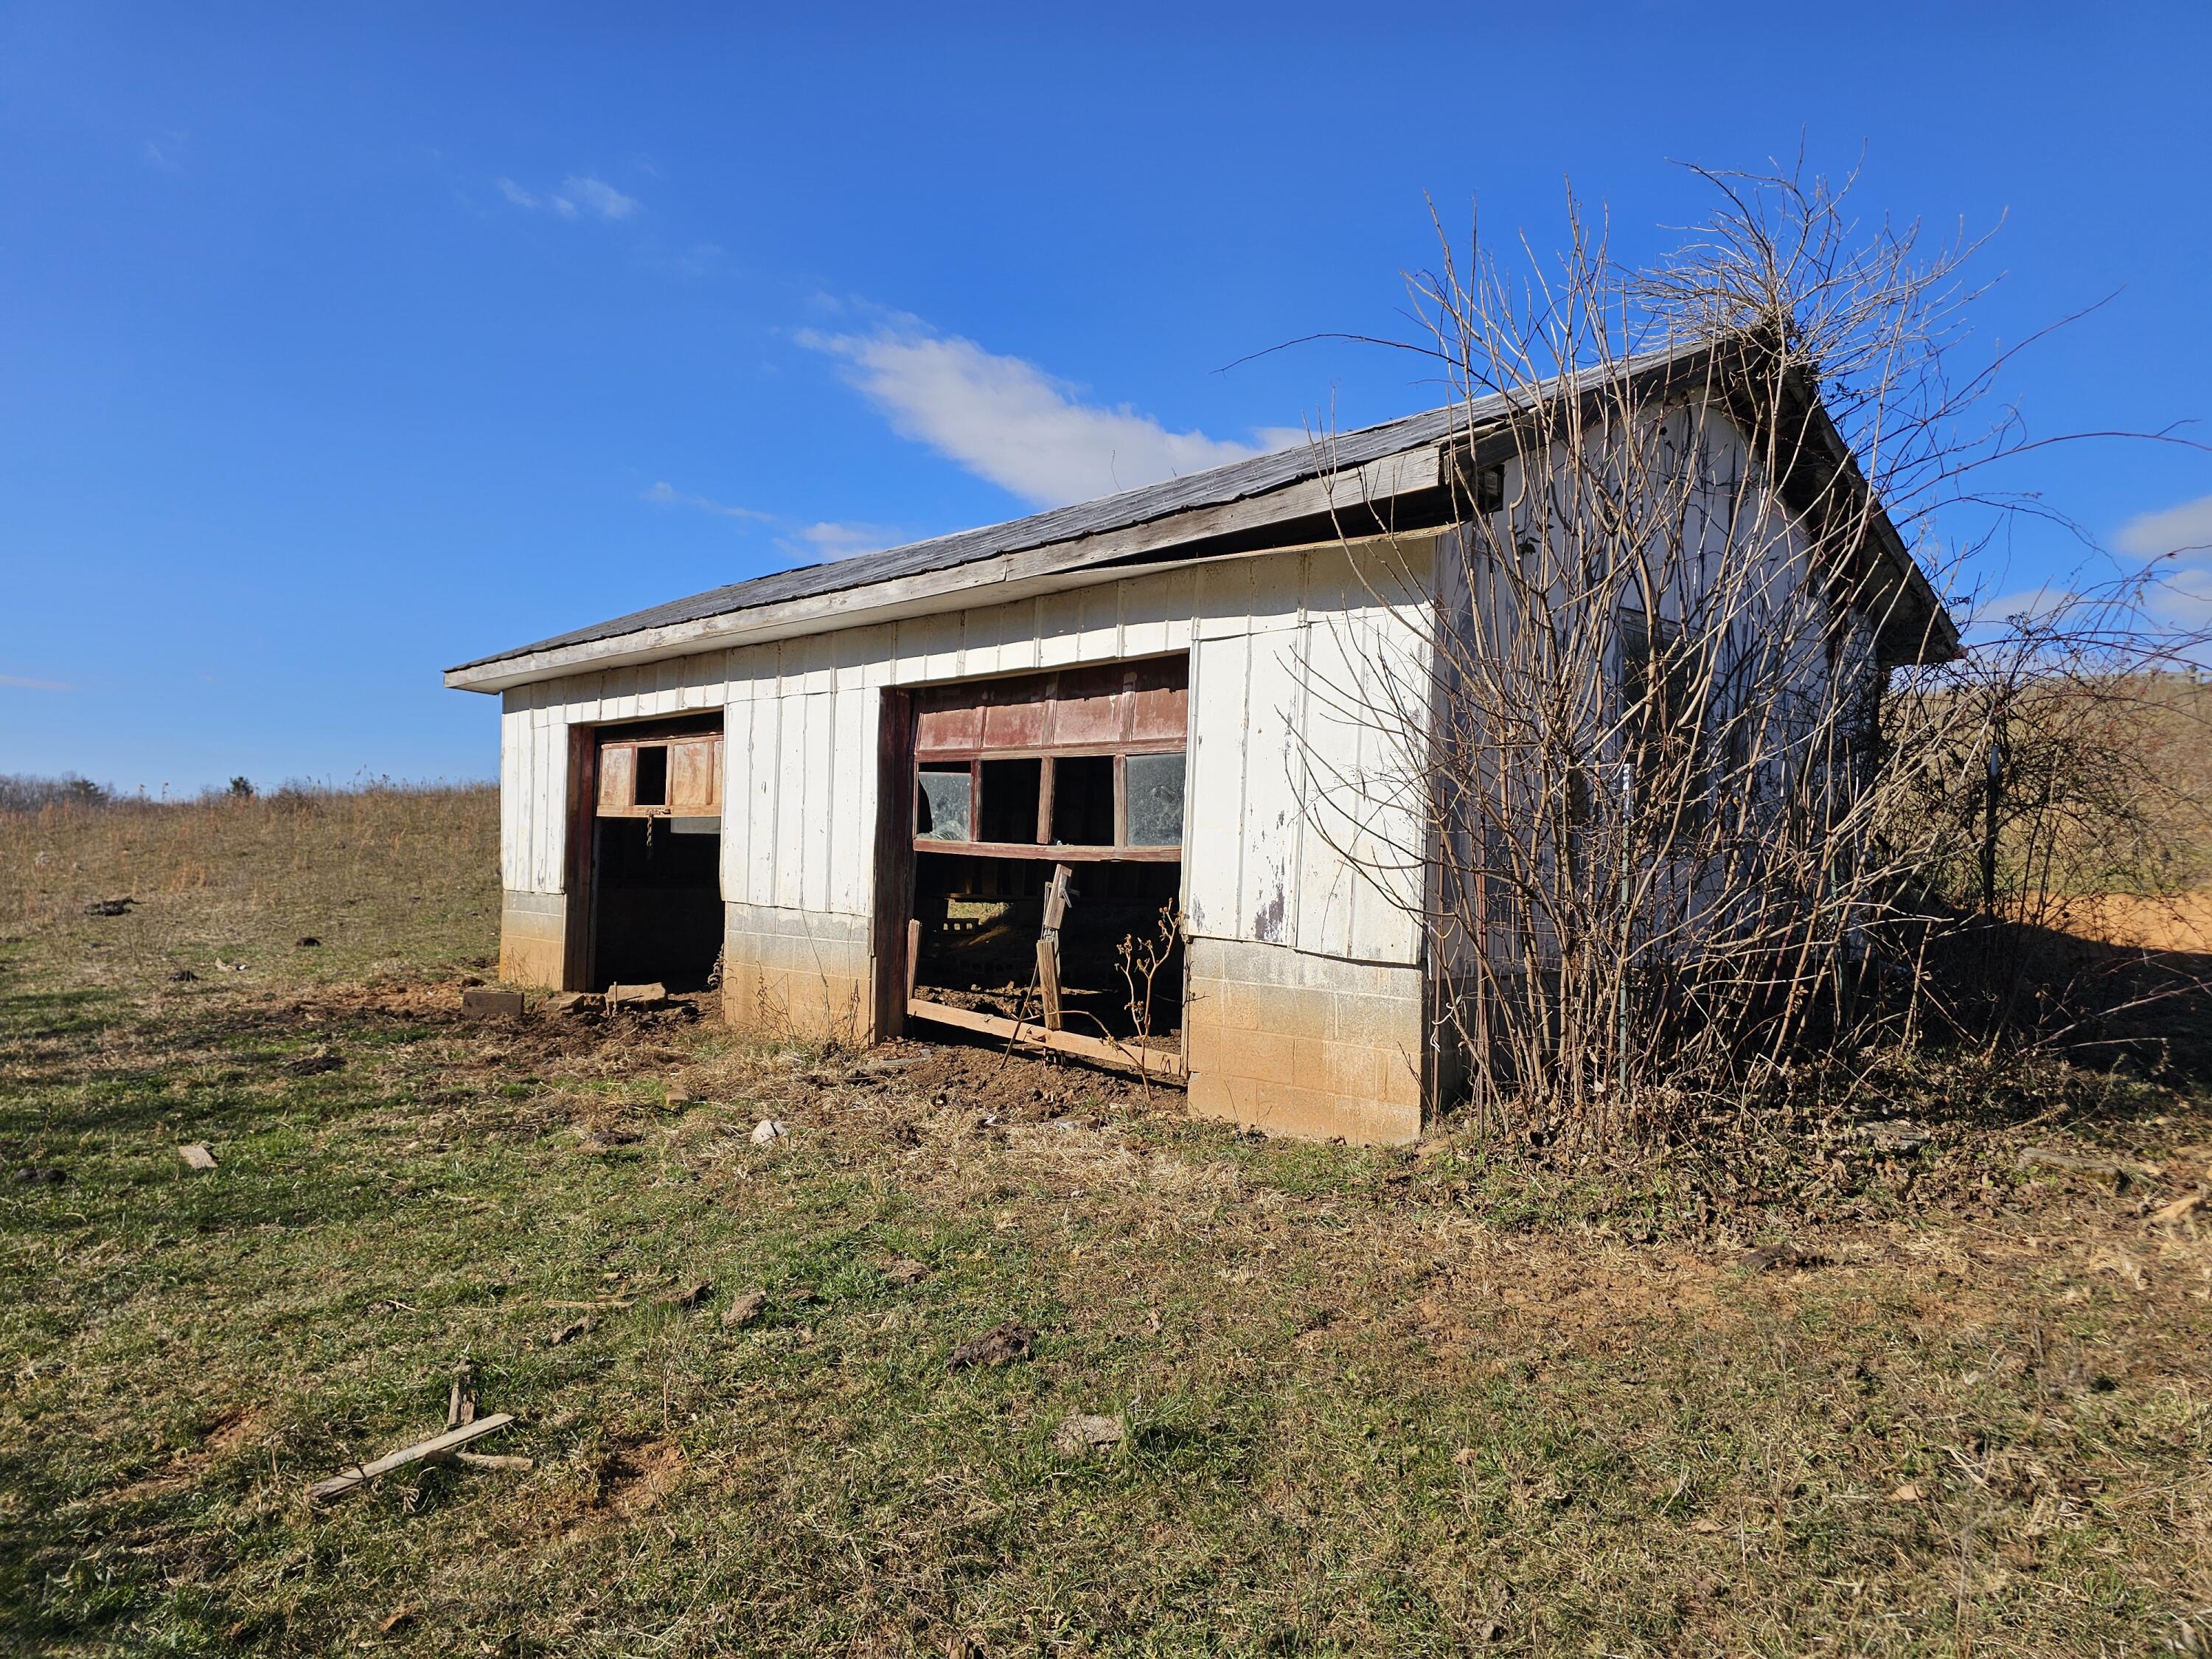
(2184, 596)
(838, 540)
(598, 196)
(22, 685)
(579, 194)
(1006, 419)
(665, 494)
(2184, 528)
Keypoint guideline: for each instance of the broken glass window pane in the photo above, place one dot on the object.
(941, 807)
(1155, 800)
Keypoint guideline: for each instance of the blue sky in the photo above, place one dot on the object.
(338, 347)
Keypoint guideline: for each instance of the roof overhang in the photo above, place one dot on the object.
(1358, 499)
(1327, 497)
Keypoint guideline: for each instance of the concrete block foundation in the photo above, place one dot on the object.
(533, 930)
(1305, 1045)
(797, 974)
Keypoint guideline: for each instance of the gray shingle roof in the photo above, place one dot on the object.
(1216, 487)
(1212, 488)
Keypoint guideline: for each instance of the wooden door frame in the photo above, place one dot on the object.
(893, 902)
(583, 825)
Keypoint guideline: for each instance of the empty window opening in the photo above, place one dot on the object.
(979, 922)
(942, 801)
(1083, 800)
(1012, 789)
(652, 775)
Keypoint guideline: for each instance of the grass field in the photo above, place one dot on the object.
(1373, 1403)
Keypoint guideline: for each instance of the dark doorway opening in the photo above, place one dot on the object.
(1029, 859)
(980, 920)
(650, 821)
(656, 904)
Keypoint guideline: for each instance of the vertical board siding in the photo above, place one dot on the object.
(788, 803)
(1213, 785)
(1273, 811)
(800, 741)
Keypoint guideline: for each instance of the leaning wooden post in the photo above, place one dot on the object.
(1048, 949)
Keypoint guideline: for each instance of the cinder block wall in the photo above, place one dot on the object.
(1305, 1045)
(532, 931)
(797, 973)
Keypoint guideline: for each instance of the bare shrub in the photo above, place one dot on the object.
(1699, 751)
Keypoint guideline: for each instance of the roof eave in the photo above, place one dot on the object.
(996, 579)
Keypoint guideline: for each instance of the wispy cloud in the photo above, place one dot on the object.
(1007, 420)
(162, 152)
(827, 541)
(2187, 528)
(598, 196)
(23, 684)
(579, 194)
(2184, 595)
(665, 494)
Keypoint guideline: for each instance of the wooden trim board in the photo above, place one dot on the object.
(1051, 851)
(1145, 1062)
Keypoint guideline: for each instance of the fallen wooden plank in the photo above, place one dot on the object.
(1125, 1056)
(453, 1440)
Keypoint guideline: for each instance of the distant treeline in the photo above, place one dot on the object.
(24, 792)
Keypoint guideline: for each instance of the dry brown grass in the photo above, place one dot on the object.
(387, 879)
(2182, 921)
(1376, 1402)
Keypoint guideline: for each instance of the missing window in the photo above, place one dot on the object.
(1083, 800)
(652, 776)
(1008, 811)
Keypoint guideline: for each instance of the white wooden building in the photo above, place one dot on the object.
(868, 787)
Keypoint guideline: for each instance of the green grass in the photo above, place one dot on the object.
(1375, 1403)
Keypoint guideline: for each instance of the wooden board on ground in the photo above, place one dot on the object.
(1128, 1057)
(453, 1440)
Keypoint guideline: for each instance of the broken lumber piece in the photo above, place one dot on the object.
(1128, 1057)
(1048, 968)
(461, 1401)
(437, 1446)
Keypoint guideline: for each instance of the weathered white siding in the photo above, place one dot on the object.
(800, 806)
